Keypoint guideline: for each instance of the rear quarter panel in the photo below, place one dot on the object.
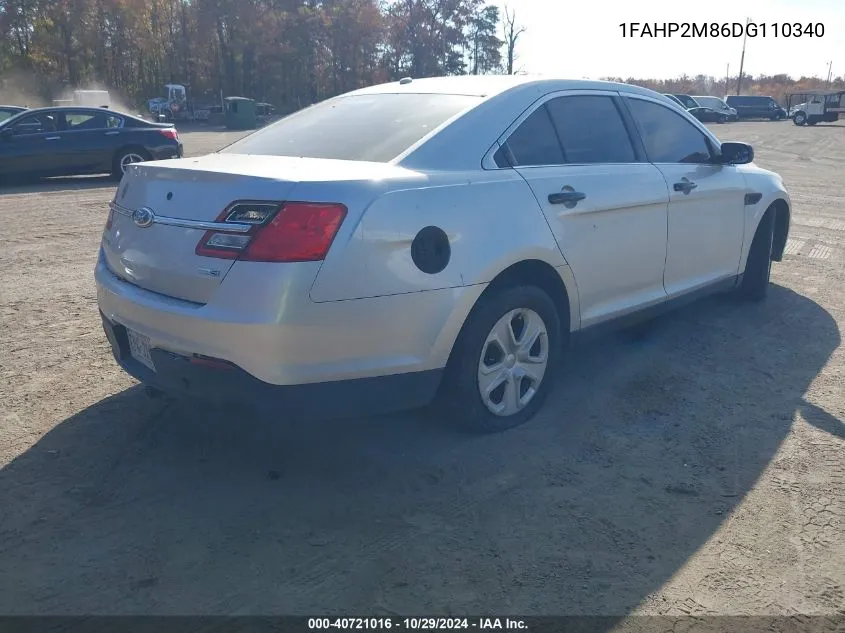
(491, 219)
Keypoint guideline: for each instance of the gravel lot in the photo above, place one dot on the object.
(698, 468)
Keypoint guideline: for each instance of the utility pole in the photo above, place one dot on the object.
(829, 70)
(727, 78)
(742, 59)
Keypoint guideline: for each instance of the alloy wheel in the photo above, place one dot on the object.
(129, 159)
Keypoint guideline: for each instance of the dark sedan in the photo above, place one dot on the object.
(709, 115)
(8, 111)
(67, 141)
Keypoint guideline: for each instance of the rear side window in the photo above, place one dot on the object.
(535, 142)
(591, 130)
(668, 136)
(377, 127)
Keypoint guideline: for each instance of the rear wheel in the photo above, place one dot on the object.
(502, 364)
(758, 267)
(126, 157)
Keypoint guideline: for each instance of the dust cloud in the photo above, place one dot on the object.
(23, 90)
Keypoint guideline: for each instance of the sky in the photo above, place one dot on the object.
(577, 38)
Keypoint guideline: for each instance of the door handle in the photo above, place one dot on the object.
(52, 138)
(567, 196)
(112, 133)
(685, 185)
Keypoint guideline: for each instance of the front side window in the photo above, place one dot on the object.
(36, 124)
(370, 127)
(668, 136)
(591, 130)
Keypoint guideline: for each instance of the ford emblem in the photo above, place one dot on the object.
(143, 217)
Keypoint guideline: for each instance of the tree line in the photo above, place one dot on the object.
(288, 52)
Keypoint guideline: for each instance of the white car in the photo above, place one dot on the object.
(437, 237)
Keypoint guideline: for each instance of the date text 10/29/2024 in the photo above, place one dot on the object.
(417, 624)
(722, 29)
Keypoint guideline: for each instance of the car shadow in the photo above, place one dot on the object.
(649, 442)
(63, 183)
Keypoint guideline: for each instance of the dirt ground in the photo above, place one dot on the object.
(699, 469)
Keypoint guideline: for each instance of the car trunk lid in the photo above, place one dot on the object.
(186, 195)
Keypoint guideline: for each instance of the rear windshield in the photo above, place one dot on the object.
(374, 128)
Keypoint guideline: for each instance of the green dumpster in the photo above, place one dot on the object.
(240, 113)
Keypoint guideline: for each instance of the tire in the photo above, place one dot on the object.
(477, 358)
(758, 267)
(799, 118)
(124, 155)
(722, 119)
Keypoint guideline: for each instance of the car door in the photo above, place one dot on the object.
(88, 143)
(706, 199)
(29, 144)
(606, 206)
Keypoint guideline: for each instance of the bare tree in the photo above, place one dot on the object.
(511, 34)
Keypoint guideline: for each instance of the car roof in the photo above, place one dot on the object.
(491, 85)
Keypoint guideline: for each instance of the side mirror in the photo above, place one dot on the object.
(736, 153)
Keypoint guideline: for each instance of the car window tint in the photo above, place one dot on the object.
(36, 124)
(369, 127)
(591, 130)
(535, 142)
(669, 137)
(77, 121)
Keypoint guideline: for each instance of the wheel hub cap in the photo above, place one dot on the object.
(513, 361)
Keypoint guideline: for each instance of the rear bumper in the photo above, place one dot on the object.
(165, 152)
(223, 383)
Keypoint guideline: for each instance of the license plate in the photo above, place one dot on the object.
(139, 348)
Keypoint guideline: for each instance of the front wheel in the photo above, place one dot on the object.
(502, 364)
(758, 267)
(799, 118)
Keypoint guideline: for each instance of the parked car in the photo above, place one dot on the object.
(751, 107)
(709, 115)
(675, 100)
(719, 105)
(439, 239)
(68, 140)
(687, 101)
(7, 111)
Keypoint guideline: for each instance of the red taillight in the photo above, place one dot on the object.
(170, 132)
(298, 232)
(109, 218)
